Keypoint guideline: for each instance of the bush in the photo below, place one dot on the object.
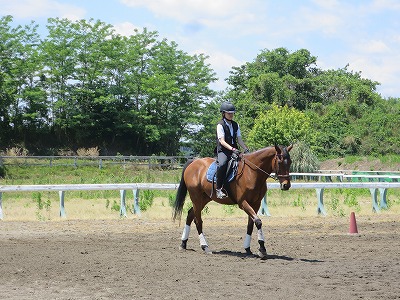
(146, 200)
(93, 152)
(2, 168)
(303, 159)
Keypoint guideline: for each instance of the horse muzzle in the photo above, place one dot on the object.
(285, 185)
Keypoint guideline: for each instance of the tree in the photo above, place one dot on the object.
(135, 93)
(280, 126)
(274, 77)
(23, 108)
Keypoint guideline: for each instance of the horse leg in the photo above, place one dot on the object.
(186, 229)
(199, 225)
(247, 240)
(262, 252)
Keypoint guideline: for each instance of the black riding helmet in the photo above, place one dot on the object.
(227, 107)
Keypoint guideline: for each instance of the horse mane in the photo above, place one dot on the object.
(263, 150)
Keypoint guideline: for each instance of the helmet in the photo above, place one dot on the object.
(227, 107)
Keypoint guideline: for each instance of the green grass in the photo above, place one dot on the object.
(86, 174)
(390, 159)
(105, 204)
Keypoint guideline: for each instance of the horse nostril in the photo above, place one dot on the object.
(285, 186)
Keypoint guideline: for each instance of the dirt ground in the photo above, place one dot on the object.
(309, 258)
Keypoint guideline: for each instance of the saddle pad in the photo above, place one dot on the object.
(212, 173)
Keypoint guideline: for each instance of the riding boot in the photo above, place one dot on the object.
(221, 171)
(220, 193)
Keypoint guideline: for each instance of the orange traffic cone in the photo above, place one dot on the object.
(353, 224)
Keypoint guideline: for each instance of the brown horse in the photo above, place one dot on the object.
(246, 190)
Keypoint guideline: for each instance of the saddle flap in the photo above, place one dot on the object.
(212, 172)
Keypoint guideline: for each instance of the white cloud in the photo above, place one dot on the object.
(382, 68)
(221, 61)
(185, 11)
(30, 9)
(220, 15)
(384, 5)
(374, 46)
(126, 28)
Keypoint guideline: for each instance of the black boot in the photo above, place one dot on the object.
(220, 194)
(221, 171)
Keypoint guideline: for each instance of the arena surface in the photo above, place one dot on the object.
(310, 258)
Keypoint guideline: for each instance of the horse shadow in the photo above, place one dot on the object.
(268, 257)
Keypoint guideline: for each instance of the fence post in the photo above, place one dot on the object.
(136, 207)
(383, 193)
(320, 196)
(62, 208)
(375, 206)
(1, 206)
(264, 207)
(122, 211)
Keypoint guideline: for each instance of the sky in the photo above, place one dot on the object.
(363, 34)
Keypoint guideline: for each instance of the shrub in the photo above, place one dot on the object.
(16, 151)
(93, 152)
(303, 159)
(146, 200)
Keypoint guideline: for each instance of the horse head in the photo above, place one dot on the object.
(282, 164)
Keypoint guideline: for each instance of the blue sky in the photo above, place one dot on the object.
(362, 33)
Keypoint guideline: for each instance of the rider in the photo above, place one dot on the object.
(228, 138)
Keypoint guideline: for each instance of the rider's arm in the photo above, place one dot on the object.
(225, 144)
(221, 137)
(241, 143)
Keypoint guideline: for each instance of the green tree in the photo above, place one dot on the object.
(23, 107)
(280, 126)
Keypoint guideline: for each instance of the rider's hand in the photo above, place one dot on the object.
(235, 151)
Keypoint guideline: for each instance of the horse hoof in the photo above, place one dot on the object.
(207, 250)
(248, 251)
(183, 245)
(262, 254)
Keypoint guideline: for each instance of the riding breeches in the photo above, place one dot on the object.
(222, 164)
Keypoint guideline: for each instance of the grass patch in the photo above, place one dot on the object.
(157, 203)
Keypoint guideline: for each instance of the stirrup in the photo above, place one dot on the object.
(220, 194)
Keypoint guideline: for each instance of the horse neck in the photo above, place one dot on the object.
(263, 158)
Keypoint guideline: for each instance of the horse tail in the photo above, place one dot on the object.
(181, 194)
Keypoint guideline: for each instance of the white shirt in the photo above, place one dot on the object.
(221, 133)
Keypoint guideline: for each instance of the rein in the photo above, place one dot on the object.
(275, 177)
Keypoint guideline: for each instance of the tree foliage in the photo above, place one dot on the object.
(279, 126)
(345, 113)
(83, 85)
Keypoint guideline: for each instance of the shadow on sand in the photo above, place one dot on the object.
(268, 257)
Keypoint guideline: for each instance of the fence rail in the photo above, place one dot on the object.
(135, 187)
(100, 161)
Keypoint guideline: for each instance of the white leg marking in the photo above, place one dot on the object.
(260, 235)
(247, 241)
(203, 241)
(185, 234)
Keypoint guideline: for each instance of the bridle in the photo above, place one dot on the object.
(278, 158)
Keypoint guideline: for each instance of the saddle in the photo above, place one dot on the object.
(231, 170)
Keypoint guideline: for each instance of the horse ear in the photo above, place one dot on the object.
(290, 147)
(278, 150)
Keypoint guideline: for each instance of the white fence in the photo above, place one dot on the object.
(330, 177)
(100, 161)
(374, 187)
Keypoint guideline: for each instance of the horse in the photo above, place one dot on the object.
(246, 190)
